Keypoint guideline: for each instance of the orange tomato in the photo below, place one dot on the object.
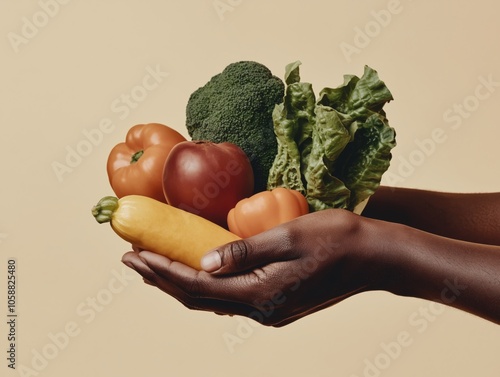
(135, 167)
(265, 210)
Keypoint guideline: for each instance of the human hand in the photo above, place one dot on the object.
(275, 277)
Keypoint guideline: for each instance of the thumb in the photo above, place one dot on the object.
(247, 253)
(228, 258)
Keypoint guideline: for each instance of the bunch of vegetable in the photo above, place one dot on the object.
(263, 152)
(336, 148)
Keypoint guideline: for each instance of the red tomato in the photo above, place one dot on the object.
(207, 179)
(136, 165)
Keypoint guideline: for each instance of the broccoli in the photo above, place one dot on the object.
(236, 106)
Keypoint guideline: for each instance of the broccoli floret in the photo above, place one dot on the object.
(236, 106)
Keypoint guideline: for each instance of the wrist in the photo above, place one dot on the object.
(412, 263)
(405, 260)
(380, 257)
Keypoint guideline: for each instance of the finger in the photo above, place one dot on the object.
(180, 279)
(161, 266)
(181, 288)
(146, 281)
(274, 245)
(193, 287)
(300, 312)
(128, 259)
(167, 276)
(147, 264)
(219, 307)
(133, 260)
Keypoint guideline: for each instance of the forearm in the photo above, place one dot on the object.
(457, 273)
(471, 217)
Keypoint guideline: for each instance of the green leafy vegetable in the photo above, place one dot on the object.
(293, 121)
(334, 149)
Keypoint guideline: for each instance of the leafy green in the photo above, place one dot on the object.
(293, 121)
(334, 149)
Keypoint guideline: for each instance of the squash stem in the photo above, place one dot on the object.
(104, 209)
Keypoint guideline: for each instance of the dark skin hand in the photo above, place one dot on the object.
(322, 258)
(471, 217)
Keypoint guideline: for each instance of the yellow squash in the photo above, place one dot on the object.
(161, 228)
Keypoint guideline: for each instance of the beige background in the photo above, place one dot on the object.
(65, 77)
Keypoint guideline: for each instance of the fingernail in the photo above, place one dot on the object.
(128, 264)
(211, 261)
